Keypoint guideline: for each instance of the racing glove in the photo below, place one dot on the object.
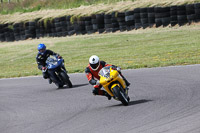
(97, 82)
(44, 69)
(116, 68)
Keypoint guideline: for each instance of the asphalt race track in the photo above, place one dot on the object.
(162, 100)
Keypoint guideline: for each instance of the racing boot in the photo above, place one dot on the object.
(108, 96)
(50, 81)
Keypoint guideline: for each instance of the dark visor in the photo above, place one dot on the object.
(94, 66)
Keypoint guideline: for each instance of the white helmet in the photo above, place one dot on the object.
(94, 62)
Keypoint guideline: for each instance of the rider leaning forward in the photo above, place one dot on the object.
(92, 70)
(41, 58)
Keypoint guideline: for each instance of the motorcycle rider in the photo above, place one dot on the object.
(41, 58)
(92, 70)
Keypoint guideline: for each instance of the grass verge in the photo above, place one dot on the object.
(153, 47)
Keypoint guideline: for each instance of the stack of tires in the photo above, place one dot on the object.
(60, 26)
(30, 29)
(190, 12)
(99, 23)
(2, 36)
(151, 16)
(17, 27)
(138, 23)
(144, 17)
(112, 22)
(121, 21)
(115, 23)
(94, 23)
(9, 35)
(89, 25)
(51, 27)
(158, 16)
(197, 11)
(40, 29)
(48, 26)
(130, 21)
(108, 23)
(37, 31)
(166, 19)
(173, 16)
(79, 26)
(70, 27)
(181, 15)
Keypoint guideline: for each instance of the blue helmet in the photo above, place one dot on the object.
(41, 46)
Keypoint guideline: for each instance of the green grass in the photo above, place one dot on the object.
(155, 47)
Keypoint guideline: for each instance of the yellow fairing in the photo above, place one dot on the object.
(114, 76)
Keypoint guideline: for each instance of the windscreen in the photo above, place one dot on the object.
(52, 60)
(105, 72)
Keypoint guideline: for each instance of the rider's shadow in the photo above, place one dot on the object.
(74, 86)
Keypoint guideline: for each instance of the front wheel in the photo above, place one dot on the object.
(65, 79)
(120, 95)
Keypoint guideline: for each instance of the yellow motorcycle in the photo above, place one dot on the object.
(114, 84)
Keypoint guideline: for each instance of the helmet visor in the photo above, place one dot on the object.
(42, 51)
(94, 66)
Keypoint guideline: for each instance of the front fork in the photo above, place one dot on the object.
(123, 90)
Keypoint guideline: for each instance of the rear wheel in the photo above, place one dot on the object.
(65, 79)
(120, 95)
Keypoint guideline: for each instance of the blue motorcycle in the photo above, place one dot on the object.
(57, 72)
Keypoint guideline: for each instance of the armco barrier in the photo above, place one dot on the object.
(122, 21)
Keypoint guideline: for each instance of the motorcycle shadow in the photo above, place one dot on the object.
(138, 102)
(134, 102)
(74, 86)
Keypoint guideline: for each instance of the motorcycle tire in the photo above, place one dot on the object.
(120, 95)
(65, 79)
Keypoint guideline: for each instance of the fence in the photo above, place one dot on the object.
(123, 21)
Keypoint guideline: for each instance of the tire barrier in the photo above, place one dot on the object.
(112, 22)
(144, 17)
(197, 12)
(130, 21)
(89, 24)
(138, 23)
(100, 23)
(151, 16)
(181, 15)
(108, 22)
(173, 16)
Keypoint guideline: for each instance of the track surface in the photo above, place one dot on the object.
(162, 100)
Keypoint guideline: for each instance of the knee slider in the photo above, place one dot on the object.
(95, 91)
(45, 75)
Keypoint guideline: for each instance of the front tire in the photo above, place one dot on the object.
(120, 95)
(65, 79)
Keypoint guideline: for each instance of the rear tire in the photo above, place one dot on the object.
(65, 79)
(120, 95)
